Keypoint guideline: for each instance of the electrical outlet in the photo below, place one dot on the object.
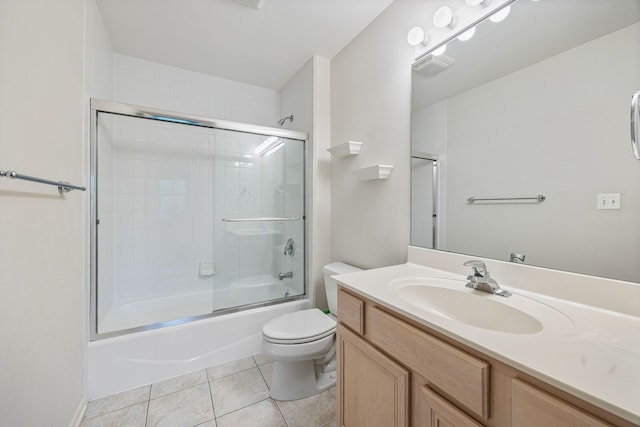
(609, 201)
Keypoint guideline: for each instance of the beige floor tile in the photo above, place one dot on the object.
(211, 423)
(314, 411)
(267, 371)
(131, 416)
(186, 408)
(263, 414)
(117, 401)
(261, 359)
(229, 368)
(333, 391)
(333, 423)
(178, 383)
(236, 391)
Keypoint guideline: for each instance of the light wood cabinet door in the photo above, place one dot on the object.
(442, 413)
(533, 407)
(373, 390)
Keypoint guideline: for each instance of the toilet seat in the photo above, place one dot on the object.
(299, 327)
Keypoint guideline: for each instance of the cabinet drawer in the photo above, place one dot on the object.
(533, 407)
(351, 311)
(448, 369)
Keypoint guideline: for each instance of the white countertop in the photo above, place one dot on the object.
(587, 351)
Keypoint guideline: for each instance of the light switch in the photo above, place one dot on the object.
(609, 201)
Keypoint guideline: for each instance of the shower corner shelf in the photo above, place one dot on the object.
(349, 148)
(373, 172)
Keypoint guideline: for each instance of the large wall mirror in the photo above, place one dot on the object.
(538, 104)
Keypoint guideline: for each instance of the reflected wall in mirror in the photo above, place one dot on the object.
(536, 104)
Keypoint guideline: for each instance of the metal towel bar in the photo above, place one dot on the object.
(63, 187)
(538, 198)
(260, 219)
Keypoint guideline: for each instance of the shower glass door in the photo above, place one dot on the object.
(191, 221)
(258, 218)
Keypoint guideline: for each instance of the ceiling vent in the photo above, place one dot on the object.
(431, 65)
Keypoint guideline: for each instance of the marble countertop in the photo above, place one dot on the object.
(590, 352)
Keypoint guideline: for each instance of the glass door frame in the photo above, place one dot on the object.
(435, 159)
(98, 106)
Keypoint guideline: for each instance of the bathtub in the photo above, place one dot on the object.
(134, 312)
(134, 360)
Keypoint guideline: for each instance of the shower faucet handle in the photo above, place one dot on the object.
(290, 248)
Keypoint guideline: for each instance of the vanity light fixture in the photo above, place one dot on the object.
(449, 24)
(443, 18)
(467, 34)
(500, 15)
(439, 51)
(416, 37)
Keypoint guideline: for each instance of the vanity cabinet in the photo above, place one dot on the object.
(378, 386)
(393, 371)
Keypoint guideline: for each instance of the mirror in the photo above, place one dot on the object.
(538, 104)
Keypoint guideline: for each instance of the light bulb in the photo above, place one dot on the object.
(416, 37)
(439, 51)
(500, 15)
(467, 34)
(443, 17)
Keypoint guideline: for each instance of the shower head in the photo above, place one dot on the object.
(282, 121)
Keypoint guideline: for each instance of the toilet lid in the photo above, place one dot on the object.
(299, 325)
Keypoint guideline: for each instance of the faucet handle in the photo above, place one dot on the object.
(479, 268)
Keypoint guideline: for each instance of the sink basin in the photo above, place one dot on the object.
(450, 299)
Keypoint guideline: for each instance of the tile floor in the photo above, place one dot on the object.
(234, 394)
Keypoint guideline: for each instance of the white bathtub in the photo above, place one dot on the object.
(136, 312)
(141, 358)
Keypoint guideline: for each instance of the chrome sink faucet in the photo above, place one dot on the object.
(482, 281)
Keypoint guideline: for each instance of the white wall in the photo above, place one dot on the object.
(150, 84)
(306, 96)
(585, 103)
(41, 233)
(370, 102)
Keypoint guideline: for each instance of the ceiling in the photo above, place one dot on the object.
(232, 40)
(534, 30)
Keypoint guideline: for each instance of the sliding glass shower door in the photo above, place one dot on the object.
(192, 220)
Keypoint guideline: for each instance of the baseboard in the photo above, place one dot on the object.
(79, 414)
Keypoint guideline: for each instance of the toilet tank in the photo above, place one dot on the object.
(331, 286)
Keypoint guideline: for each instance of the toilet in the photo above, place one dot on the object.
(303, 345)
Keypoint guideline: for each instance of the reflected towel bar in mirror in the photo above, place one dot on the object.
(63, 187)
(260, 219)
(538, 198)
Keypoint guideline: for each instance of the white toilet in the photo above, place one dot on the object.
(303, 345)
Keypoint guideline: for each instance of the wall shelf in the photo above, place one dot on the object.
(373, 172)
(349, 148)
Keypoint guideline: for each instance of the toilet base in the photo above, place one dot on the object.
(297, 380)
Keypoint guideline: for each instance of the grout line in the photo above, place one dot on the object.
(213, 408)
(281, 414)
(182, 389)
(146, 415)
(264, 379)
